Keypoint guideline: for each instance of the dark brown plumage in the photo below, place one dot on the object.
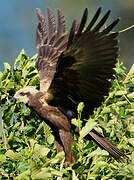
(74, 67)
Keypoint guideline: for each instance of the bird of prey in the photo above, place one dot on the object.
(74, 67)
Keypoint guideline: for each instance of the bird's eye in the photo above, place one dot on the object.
(22, 94)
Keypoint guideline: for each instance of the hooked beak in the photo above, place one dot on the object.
(15, 97)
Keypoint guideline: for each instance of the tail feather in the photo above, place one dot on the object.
(105, 144)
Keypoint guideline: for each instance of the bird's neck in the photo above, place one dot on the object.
(36, 101)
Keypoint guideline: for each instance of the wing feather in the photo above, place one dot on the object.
(61, 23)
(94, 19)
(51, 24)
(85, 67)
(101, 23)
(71, 34)
(110, 27)
(41, 32)
(50, 44)
(82, 23)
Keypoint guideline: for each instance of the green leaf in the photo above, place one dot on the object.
(46, 173)
(18, 59)
(2, 158)
(58, 157)
(106, 110)
(98, 152)
(80, 107)
(131, 128)
(75, 122)
(12, 155)
(24, 176)
(122, 111)
(120, 93)
(6, 66)
(131, 141)
(31, 75)
(22, 166)
(41, 150)
(132, 105)
(10, 85)
(87, 128)
(130, 73)
(50, 139)
(121, 103)
(131, 96)
(34, 57)
(131, 168)
(120, 69)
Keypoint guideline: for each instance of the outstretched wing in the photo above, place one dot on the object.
(50, 43)
(85, 67)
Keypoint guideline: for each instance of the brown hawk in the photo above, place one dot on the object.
(73, 67)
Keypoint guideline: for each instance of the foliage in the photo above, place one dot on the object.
(27, 149)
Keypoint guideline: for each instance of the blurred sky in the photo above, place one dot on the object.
(18, 23)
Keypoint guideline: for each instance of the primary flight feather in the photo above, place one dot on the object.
(74, 67)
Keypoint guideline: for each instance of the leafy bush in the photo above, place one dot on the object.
(27, 149)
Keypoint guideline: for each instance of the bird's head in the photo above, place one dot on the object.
(24, 95)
